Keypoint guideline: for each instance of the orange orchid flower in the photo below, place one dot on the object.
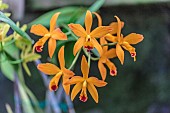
(84, 83)
(51, 69)
(88, 38)
(104, 59)
(53, 34)
(125, 42)
(107, 54)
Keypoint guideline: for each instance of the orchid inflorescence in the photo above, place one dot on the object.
(87, 40)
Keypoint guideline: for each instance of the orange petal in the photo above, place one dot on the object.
(133, 38)
(67, 73)
(78, 30)
(53, 85)
(66, 87)
(99, 18)
(114, 25)
(111, 38)
(88, 21)
(118, 26)
(103, 41)
(58, 35)
(75, 90)
(84, 67)
(100, 31)
(93, 91)
(61, 57)
(127, 46)
(78, 45)
(120, 53)
(112, 67)
(96, 82)
(51, 47)
(97, 46)
(39, 30)
(48, 68)
(74, 80)
(53, 21)
(111, 53)
(102, 70)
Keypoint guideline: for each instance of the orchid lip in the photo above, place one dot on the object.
(89, 48)
(83, 98)
(39, 48)
(133, 54)
(54, 87)
(113, 72)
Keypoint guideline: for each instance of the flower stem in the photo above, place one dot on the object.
(109, 44)
(92, 58)
(74, 61)
(16, 61)
(69, 31)
(89, 55)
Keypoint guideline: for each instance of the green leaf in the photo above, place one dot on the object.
(14, 26)
(68, 14)
(96, 6)
(26, 104)
(12, 51)
(7, 68)
(69, 57)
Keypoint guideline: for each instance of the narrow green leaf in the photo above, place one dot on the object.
(65, 17)
(11, 50)
(6, 68)
(96, 6)
(26, 104)
(14, 26)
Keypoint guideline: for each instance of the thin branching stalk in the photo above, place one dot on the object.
(69, 104)
(52, 99)
(17, 95)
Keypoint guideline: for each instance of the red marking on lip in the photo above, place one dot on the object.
(54, 87)
(38, 48)
(83, 98)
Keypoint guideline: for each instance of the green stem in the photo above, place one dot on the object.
(74, 61)
(16, 61)
(68, 29)
(1, 46)
(68, 33)
(92, 58)
(89, 59)
(109, 44)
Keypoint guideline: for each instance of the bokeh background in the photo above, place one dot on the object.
(140, 87)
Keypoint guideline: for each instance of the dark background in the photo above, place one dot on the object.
(140, 87)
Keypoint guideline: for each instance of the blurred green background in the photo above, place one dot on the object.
(140, 87)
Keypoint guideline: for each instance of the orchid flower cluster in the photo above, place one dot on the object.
(102, 38)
